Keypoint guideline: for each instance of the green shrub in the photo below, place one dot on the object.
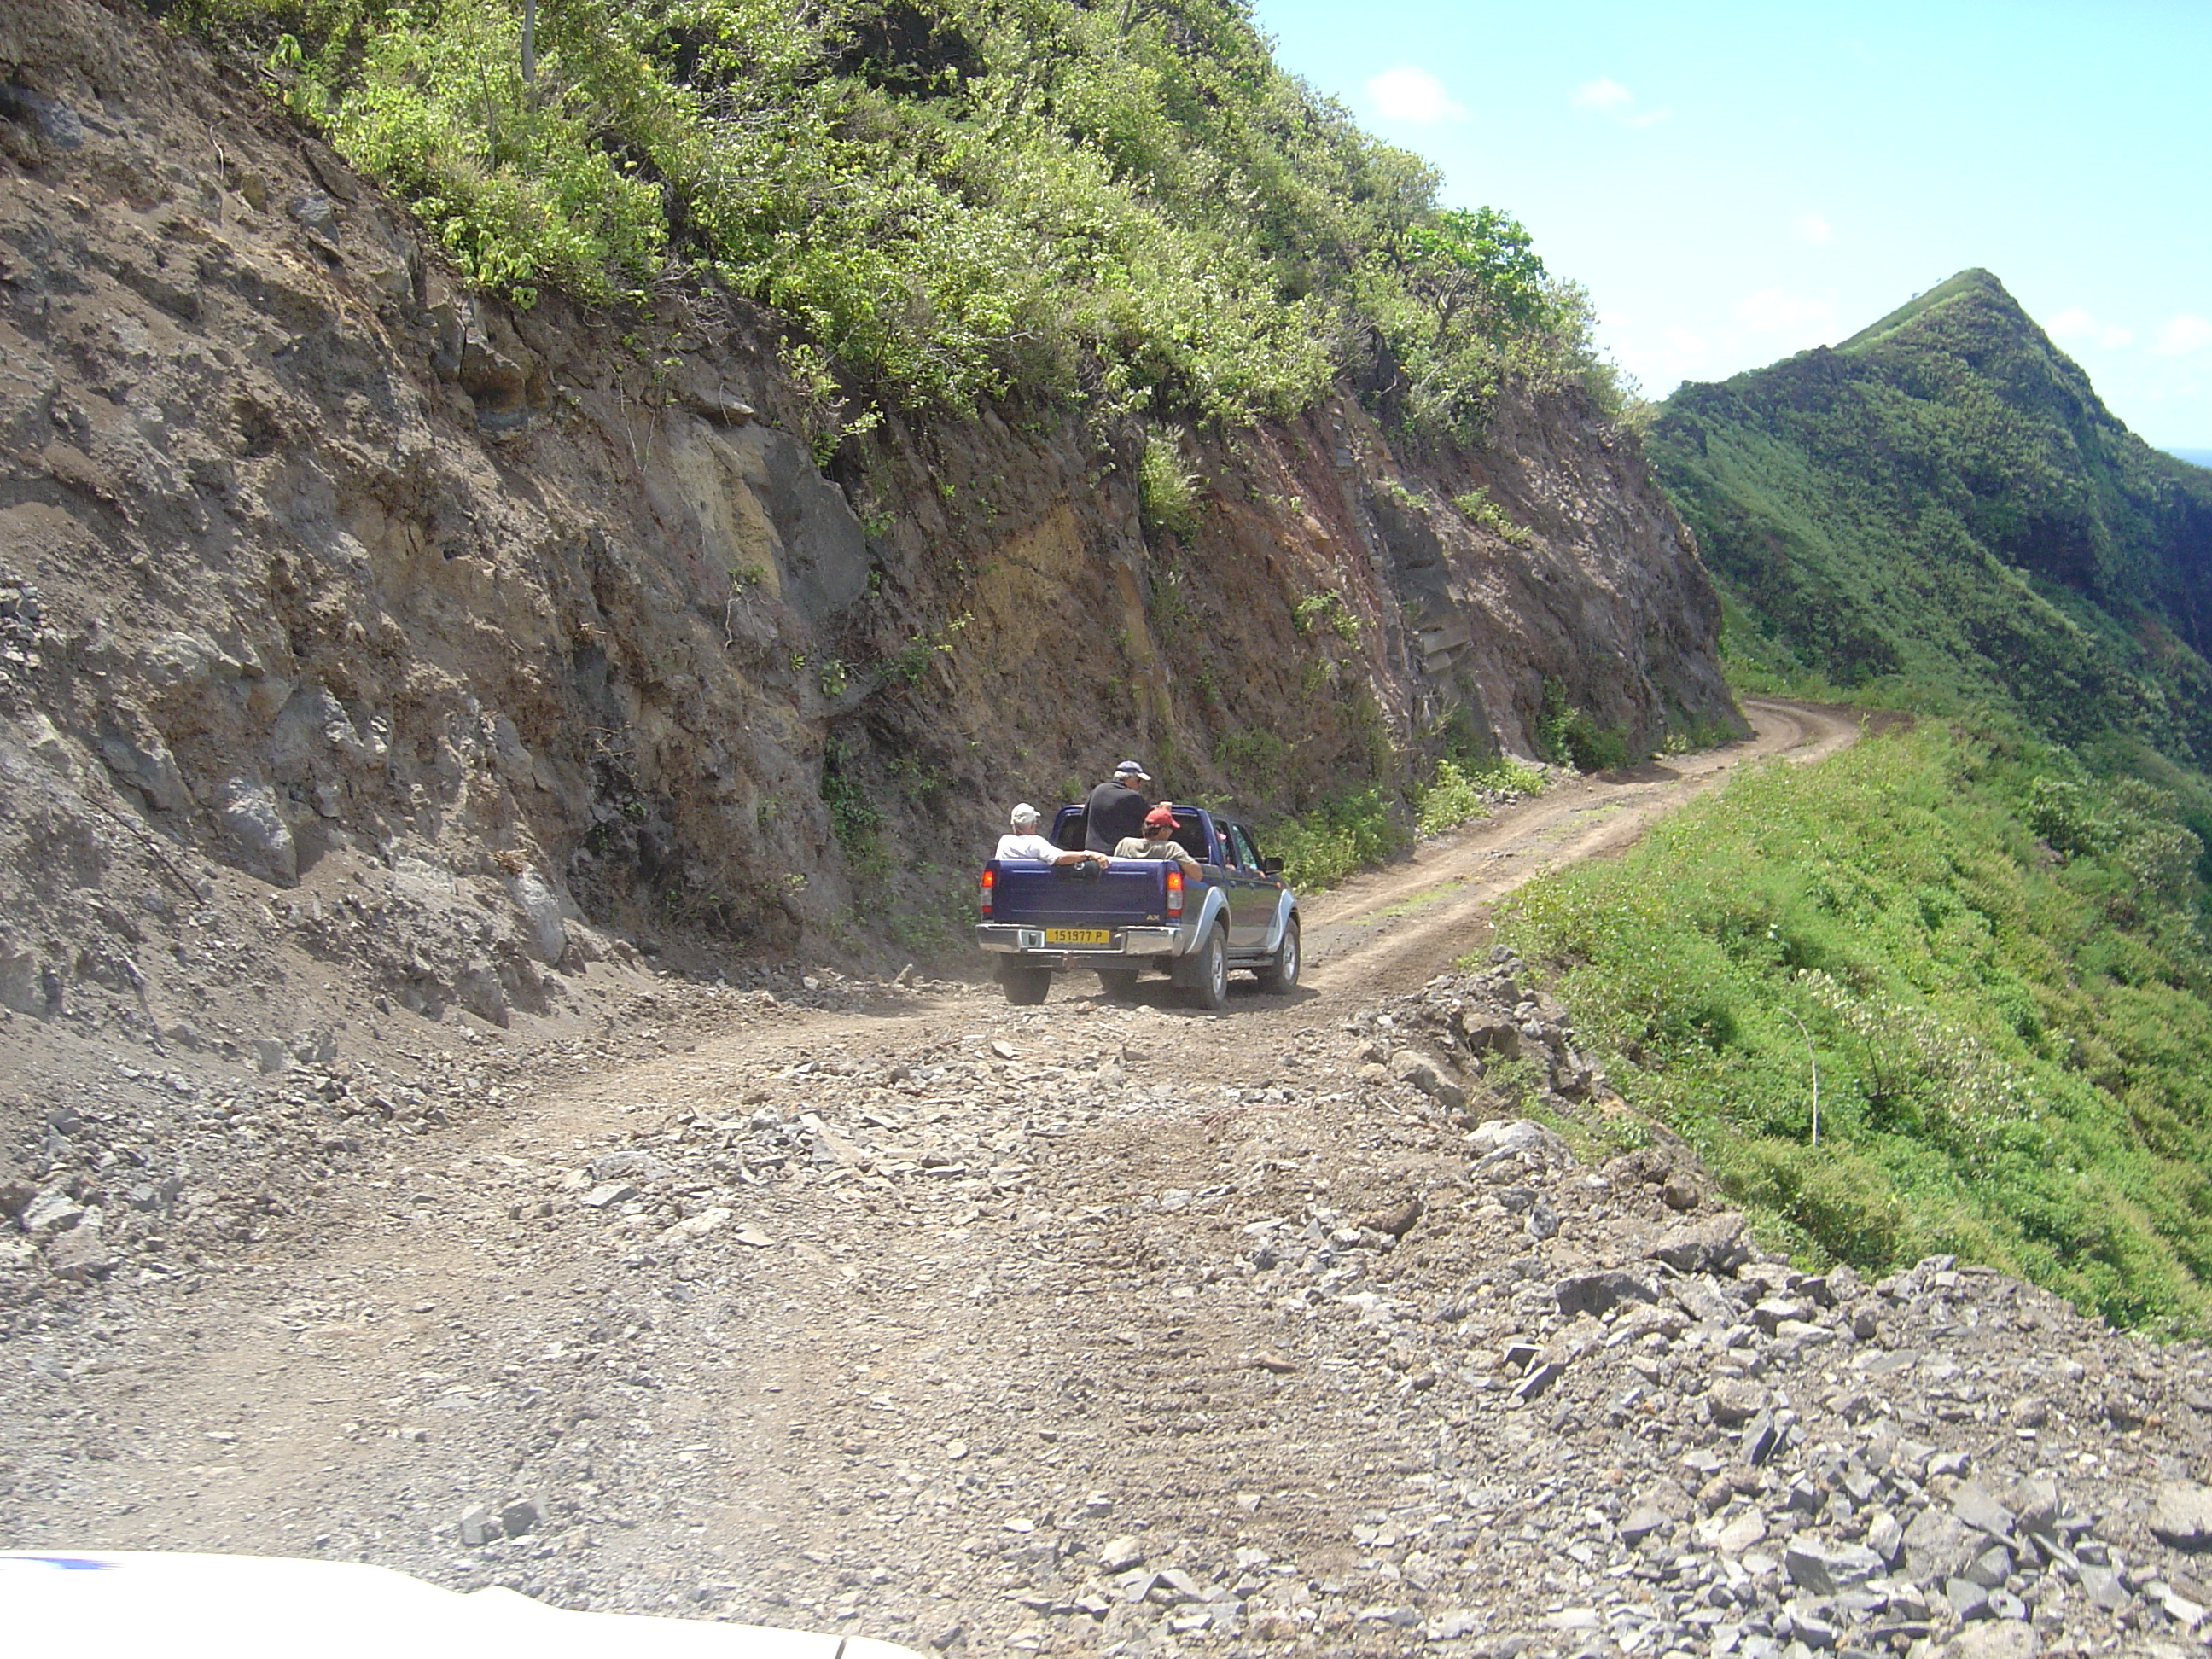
(1460, 792)
(1568, 735)
(1338, 838)
(957, 199)
(854, 818)
(1327, 610)
(1451, 799)
(1167, 496)
(1476, 508)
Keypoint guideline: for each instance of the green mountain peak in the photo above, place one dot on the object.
(1942, 504)
(1975, 283)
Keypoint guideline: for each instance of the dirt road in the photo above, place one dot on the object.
(889, 1320)
(1399, 925)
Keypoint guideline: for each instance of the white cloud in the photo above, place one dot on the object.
(1778, 310)
(1611, 99)
(2075, 326)
(1810, 227)
(1604, 92)
(1681, 352)
(2181, 334)
(1406, 94)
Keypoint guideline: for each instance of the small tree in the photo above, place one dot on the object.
(1479, 267)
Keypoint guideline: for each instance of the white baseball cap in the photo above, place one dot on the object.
(1024, 814)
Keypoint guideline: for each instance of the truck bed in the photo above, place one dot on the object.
(1127, 891)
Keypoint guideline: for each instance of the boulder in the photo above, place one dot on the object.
(52, 1211)
(1830, 1569)
(145, 763)
(1517, 1137)
(1734, 1401)
(1430, 1076)
(246, 808)
(2182, 1515)
(1710, 1245)
(1976, 1505)
(1936, 1545)
(1597, 1292)
(80, 1255)
(546, 930)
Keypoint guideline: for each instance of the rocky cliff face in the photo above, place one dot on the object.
(365, 640)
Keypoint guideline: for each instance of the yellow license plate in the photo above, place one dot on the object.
(1079, 936)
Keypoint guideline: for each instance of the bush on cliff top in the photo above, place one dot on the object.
(959, 198)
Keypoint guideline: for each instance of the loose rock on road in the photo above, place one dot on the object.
(1116, 1328)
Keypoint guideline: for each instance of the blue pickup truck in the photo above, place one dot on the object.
(1135, 913)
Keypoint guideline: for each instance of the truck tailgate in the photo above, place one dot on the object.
(1055, 896)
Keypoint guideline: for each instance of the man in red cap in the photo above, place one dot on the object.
(1158, 842)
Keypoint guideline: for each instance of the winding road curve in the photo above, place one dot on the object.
(1406, 922)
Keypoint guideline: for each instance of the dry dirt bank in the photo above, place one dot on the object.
(1103, 1326)
(368, 645)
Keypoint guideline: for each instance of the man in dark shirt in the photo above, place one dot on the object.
(1115, 810)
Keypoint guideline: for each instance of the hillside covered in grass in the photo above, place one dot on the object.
(952, 200)
(2006, 1042)
(1940, 513)
(1980, 944)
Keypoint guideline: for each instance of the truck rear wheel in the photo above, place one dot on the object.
(1281, 974)
(1205, 971)
(1025, 987)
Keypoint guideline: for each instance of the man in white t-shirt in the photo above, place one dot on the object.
(1025, 843)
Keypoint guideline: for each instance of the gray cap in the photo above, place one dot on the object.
(1131, 769)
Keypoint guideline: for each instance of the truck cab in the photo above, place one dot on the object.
(1136, 913)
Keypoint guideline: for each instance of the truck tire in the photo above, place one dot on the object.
(1205, 971)
(1280, 973)
(1025, 987)
(1119, 983)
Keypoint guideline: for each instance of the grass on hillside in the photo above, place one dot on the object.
(958, 200)
(1996, 963)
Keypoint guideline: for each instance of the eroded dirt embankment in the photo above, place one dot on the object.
(384, 669)
(1109, 1327)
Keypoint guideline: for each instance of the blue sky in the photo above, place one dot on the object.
(1734, 182)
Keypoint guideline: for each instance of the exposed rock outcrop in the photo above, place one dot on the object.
(405, 645)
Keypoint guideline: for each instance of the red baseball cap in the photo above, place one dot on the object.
(1159, 818)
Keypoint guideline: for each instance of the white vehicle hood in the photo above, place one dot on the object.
(99, 1603)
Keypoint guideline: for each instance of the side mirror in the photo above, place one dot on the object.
(1272, 867)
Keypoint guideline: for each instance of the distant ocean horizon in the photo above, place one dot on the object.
(2194, 457)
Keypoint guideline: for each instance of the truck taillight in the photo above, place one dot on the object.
(984, 887)
(1174, 892)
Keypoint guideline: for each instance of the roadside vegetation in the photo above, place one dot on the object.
(1997, 963)
(1358, 830)
(956, 200)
